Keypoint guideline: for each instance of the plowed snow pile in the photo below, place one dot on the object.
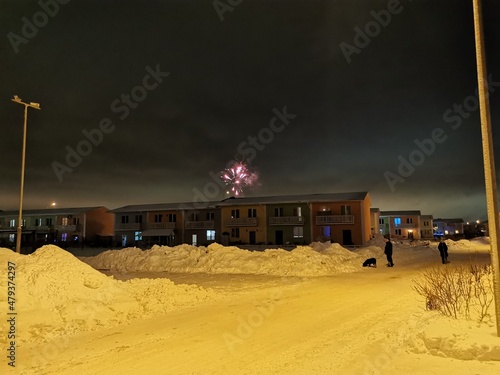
(58, 294)
(302, 261)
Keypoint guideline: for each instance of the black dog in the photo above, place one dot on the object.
(370, 262)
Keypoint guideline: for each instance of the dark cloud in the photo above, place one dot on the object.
(354, 120)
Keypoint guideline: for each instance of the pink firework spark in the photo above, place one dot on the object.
(237, 177)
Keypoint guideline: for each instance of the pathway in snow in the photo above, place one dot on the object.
(353, 323)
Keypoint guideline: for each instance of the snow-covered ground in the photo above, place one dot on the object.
(223, 310)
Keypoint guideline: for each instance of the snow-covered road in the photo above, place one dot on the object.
(356, 323)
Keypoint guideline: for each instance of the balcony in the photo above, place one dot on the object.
(128, 226)
(43, 228)
(168, 225)
(334, 219)
(286, 220)
(200, 224)
(242, 222)
(68, 228)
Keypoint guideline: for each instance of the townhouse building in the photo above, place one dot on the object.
(168, 224)
(401, 225)
(61, 226)
(274, 220)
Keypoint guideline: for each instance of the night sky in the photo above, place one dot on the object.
(180, 89)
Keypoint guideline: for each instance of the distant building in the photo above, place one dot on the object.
(273, 220)
(167, 224)
(450, 228)
(61, 226)
(401, 225)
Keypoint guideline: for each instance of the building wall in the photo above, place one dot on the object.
(203, 224)
(405, 230)
(359, 227)
(374, 223)
(426, 227)
(242, 233)
(296, 231)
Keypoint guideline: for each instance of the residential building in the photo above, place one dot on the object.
(272, 220)
(401, 225)
(450, 228)
(167, 224)
(62, 226)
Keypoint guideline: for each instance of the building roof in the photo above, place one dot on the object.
(304, 198)
(52, 211)
(401, 213)
(233, 201)
(166, 206)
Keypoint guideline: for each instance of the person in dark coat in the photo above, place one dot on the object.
(443, 250)
(388, 252)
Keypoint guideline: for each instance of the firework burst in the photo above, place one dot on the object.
(237, 177)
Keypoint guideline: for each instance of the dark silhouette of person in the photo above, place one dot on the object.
(443, 251)
(388, 252)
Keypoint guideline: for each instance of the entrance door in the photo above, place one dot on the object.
(279, 237)
(124, 240)
(347, 237)
(251, 239)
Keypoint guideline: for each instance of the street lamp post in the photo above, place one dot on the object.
(17, 99)
(488, 157)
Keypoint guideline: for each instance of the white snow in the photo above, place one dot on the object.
(223, 310)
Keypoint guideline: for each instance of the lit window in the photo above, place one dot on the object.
(12, 223)
(12, 237)
(210, 235)
(194, 239)
(397, 220)
(64, 237)
(326, 231)
(138, 236)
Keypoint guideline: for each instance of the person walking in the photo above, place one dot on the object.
(388, 252)
(443, 251)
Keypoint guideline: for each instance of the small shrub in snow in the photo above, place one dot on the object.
(462, 292)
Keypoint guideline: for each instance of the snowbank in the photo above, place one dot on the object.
(319, 260)
(459, 339)
(57, 294)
